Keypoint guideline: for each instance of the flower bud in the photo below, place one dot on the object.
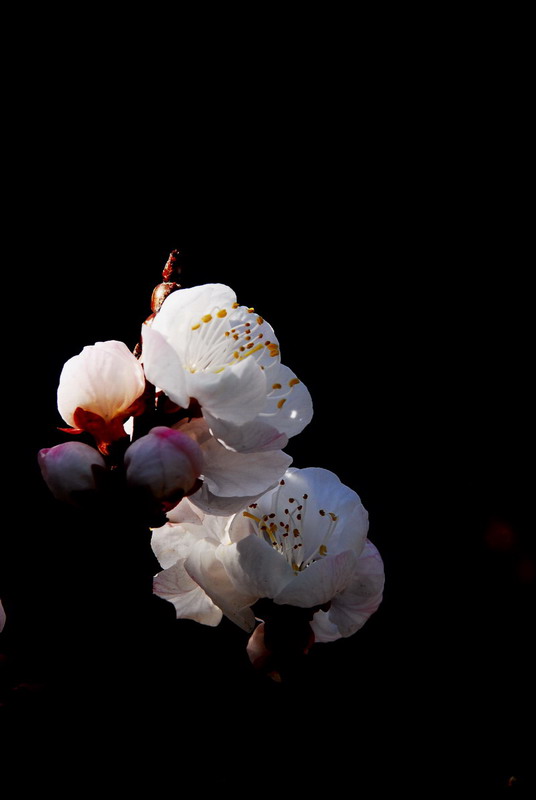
(98, 389)
(165, 461)
(69, 468)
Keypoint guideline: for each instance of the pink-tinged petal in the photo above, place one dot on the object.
(69, 468)
(190, 601)
(205, 568)
(163, 366)
(319, 582)
(105, 379)
(352, 607)
(255, 567)
(236, 394)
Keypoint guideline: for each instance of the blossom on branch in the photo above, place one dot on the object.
(302, 544)
(203, 346)
(99, 389)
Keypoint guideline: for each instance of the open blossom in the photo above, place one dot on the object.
(70, 468)
(203, 346)
(98, 390)
(166, 462)
(303, 543)
(307, 546)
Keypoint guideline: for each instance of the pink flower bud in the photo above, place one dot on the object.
(69, 468)
(98, 389)
(165, 461)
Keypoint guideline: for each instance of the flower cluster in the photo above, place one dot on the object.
(191, 428)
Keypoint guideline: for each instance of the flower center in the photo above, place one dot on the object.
(283, 528)
(222, 338)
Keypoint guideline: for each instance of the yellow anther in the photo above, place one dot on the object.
(295, 567)
(276, 386)
(282, 402)
(206, 318)
(222, 313)
(260, 320)
(322, 549)
(235, 305)
(195, 327)
(293, 382)
(333, 516)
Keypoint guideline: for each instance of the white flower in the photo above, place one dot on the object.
(301, 544)
(98, 389)
(193, 577)
(2, 617)
(202, 345)
(231, 480)
(305, 538)
(165, 461)
(70, 468)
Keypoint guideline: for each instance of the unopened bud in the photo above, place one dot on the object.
(165, 461)
(69, 468)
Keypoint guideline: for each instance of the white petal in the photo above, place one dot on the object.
(105, 378)
(163, 366)
(232, 474)
(251, 437)
(190, 601)
(172, 542)
(213, 504)
(186, 306)
(2, 617)
(326, 496)
(204, 566)
(320, 582)
(362, 596)
(236, 394)
(289, 407)
(256, 567)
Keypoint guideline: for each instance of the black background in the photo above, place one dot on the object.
(392, 256)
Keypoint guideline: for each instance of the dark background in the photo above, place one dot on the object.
(391, 255)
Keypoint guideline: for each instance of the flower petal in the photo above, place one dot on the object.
(172, 542)
(204, 566)
(236, 394)
(231, 474)
(251, 437)
(190, 601)
(361, 597)
(289, 407)
(163, 366)
(181, 308)
(255, 567)
(319, 582)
